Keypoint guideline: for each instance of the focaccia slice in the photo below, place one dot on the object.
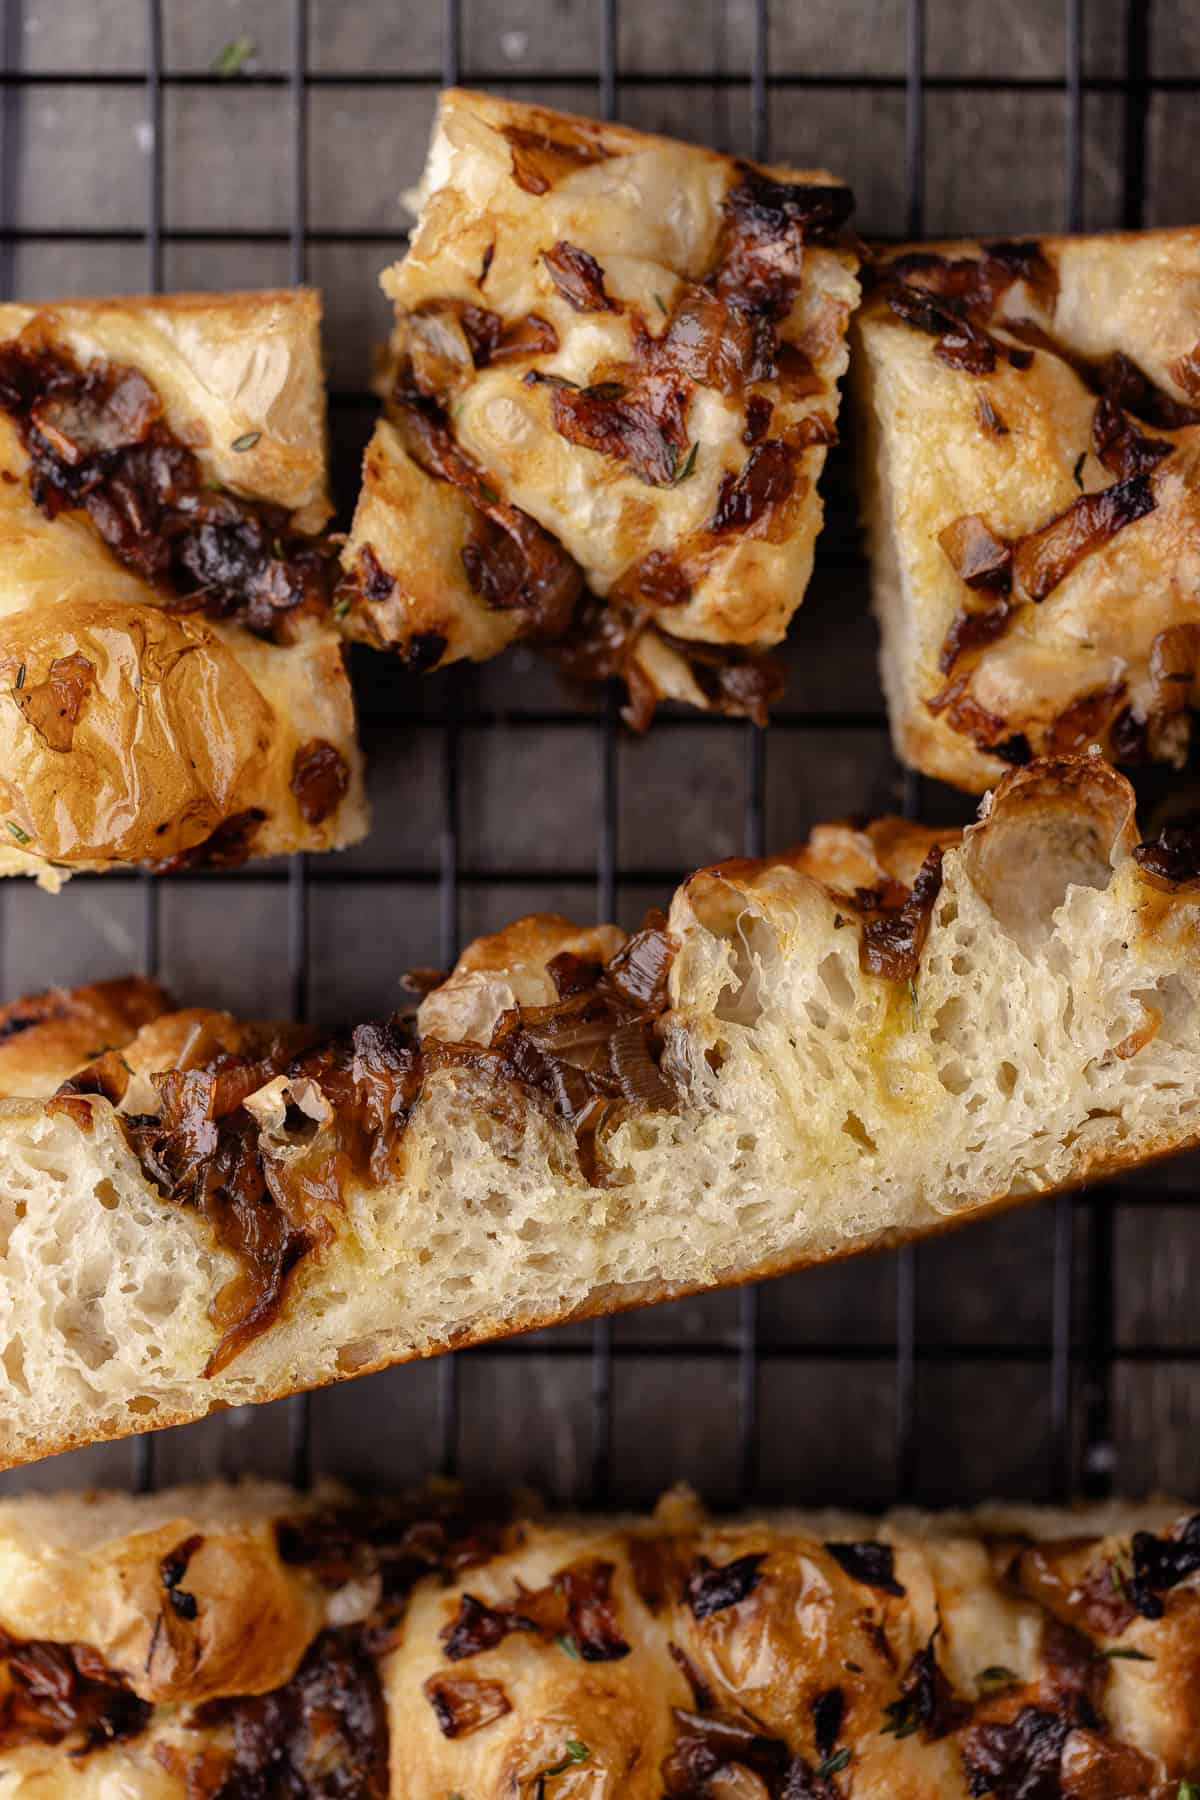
(1031, 463)
(245, 1640)
(615, 363)
(862, 1041)
(172, 684)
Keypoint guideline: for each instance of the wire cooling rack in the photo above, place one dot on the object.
(1050, 1353)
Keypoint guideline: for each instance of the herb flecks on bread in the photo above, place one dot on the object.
(611, 387)
(211, 1640)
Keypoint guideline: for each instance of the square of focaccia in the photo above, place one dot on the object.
(1031, 451)
(612, 384)
(172, 683)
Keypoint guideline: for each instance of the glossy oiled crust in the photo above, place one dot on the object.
(914, 1656)
(849, 1055)
(1015, 446)
(650, 212)
(188, 721)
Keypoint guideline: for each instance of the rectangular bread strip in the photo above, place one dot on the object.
(241, 1640)
(885, 1032)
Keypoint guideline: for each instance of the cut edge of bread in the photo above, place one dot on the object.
(824, 1110)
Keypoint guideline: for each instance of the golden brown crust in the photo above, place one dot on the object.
(1076, 411)
(673, 1653)
(508, 968)
(46, 1037)
(621, 420)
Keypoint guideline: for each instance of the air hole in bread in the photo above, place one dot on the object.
(1006, 1079)
(752, 945)
(1170, 997)
(142, 1404)
(14, 1364)
(954, 1077)
(78, 1322)
(359, 1355)
(949, 1022)
(837, 983)
(854, 1128)
(107, 1195)
(1041, 841)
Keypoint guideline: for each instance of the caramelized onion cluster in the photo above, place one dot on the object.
(98, 441)
(591, 1056)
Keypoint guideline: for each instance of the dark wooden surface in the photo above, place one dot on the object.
(76, 160)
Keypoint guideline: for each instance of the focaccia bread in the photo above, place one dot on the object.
(172, 684)
(1031, 466)
(239, 1642)
(615, 365)
(877, 1035)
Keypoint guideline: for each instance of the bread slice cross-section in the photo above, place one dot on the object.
(227, 1641)
(882, 1033)
(611, 387)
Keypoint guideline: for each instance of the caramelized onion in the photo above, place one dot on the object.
(97, 441)
(319, 780)
(764, 482)
(638, 1075)
(711, 1589)
(645, 427)
(591, 1051)
(53, 706)
(51, 1692)
(971, 628)
(891, 944)
(513, 563)
(577, 1605)
(977, 555)
(225, 848)
(768, 223)
(1120, 446)
(1019, 1758)
(324, 1733)
(1046, 557)
(1083, 721)
(707, 1742)
(578, 278)
(540, 162)
(965, 715)
(463, 1705)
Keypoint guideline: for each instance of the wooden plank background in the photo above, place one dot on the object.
(75, 160)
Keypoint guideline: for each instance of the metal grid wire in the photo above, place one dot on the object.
(1080, 1355)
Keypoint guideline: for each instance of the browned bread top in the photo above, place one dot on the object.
(204, 1640)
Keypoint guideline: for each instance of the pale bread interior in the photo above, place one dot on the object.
(1049, 1034)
